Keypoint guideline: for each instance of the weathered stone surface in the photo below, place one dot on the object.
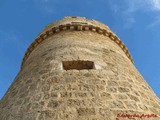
(121, 96)
(54, 104)
(86, 111)
(106, 83)
(116, 104)
(123, 89)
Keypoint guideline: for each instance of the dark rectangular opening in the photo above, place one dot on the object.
(78, 65)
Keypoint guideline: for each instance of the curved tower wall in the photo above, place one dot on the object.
(77, 69)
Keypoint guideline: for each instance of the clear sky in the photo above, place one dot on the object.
(136, 22)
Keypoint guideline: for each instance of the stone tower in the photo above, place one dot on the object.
(78, 69)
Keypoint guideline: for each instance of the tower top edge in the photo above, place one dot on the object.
(76, 20)
(73, 23)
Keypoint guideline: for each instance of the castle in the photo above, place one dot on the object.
(78, 69)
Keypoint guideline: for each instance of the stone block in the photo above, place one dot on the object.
(86, 111)
(54, 104)
(123, 89)
(116, 104)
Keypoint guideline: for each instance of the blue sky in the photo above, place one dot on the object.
(136, 22)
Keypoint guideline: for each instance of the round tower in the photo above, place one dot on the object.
(78, 69)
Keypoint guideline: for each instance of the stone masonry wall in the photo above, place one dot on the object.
(43, 90)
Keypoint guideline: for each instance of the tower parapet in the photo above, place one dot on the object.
(76, 24)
